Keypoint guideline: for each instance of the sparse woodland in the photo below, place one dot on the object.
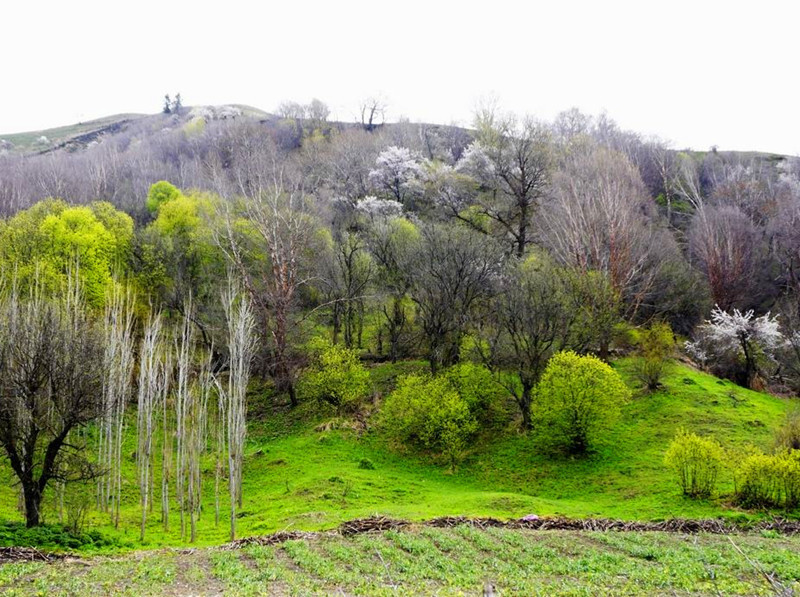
(156, 279)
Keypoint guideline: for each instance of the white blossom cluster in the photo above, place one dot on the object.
(372, 206)
(396, 167)
(476, 162)
(731, 332)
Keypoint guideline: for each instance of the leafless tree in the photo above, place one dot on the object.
(241, 349)
(725, 244)
(511, 159)
(152, 382)
(600, 218)
(50, 386)
(453, 271)
(118, 362)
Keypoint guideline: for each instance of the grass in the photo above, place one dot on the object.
(429, 561)
(297, 477)
(28, 141)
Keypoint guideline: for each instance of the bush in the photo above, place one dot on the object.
(696, 462)
(430, 414)
(578, 397)
(336, 376)
(765, 481)
(787, 437)
(655, 347)
(479, 389)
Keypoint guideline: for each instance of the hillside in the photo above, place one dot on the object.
(79, 133)
(303, 473)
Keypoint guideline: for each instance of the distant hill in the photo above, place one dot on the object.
(81, 134)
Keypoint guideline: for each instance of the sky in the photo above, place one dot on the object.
(695, 73)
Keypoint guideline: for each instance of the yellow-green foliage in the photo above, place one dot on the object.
(479, 389)
(696, 462)
(161, 192)
(177, 248)
(764, 480)
(655, 346)
(42, 243)
(430, 414)
(577, 399)
(336, 376)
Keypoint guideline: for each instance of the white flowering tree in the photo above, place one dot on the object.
(397, 174)
(737, 343)
(373, 207)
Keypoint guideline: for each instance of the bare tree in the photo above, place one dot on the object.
(725, 244)
(152, 381)
(118, 362)
(373, 113)
(50, 386)
(600, 218)
(453, 272)
(241, 349)
(511, 160)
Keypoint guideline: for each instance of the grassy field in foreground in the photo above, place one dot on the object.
(427, 561)
(299, 477)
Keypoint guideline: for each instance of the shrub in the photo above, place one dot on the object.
(578, 397)
(655, 346)
(430, 414)
(769, 480)
(336, 376)
(479, 389)
(787, 437)
(696, 462)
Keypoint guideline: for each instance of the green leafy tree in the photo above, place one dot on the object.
(577, 399)
(161, 192)
(336, 376)
(42, 244)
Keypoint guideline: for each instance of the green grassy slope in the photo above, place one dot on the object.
(429, 561)
(298, 477)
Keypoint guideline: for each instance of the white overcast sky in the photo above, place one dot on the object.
(697, 73)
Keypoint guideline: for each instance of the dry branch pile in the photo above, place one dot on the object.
(27, 554)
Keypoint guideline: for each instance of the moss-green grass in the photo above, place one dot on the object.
(430, 561)
(297, 477)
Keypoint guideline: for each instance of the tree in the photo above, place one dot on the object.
(347, 272)
(50, 388)
(738, 344)
(725, 244)
(511, 161)
(532, 318)
(373, 112)
(577, 399)
(241, 349)
(272, 255)
(655, 347)
(393, 241)
(453, 270)
(397, 174)
(160, 192)
(430, 414)
(167, 109)
(42, 243)
(599, 218)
